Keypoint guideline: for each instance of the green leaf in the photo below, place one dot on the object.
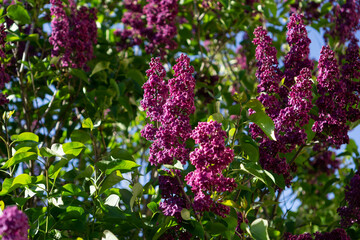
(218, 117)
(57, 149)
(73, 148)
(232, 224)
(11, 184)
(177, 165)
(153, 206)
(251, 151)
(232, 132)
(230, 203)
(18, 14)
(54, 170)
(107, 235)
(80, 136)
(71, 189)
(255, 105)
(6, 186)
(122, 165)
(137, 191)
(259, 229)
(47, 152)
(114, 178)
(136, 75)
(87, 173)
(79, 74)
(113, 200)
(279, 180)
(25, 136)
(254, 170)
(100, 66)
(87, 123)
(20, 157)
(265, 123)
(215, 228)
(120, 154)
(185, 214)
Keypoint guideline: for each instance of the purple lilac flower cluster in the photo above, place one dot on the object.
(13, 224)
(346, 19)
(155, 24)
(72, 36)
(210, 159)
(298, 56)
(172, 193)
(330, 124)
(4, 77)
(350, 70)
(291, 110)
(336, 234)
(305, 236)
(169, 106)
(325, 162)
(351, 214)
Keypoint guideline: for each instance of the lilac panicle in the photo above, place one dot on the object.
(330, 124)
(350, 71)
(346, 19)
(325, 162)
(172, 193)
(268, 72)
(154, 24)
(210, 159)
(350, 214)
(298, 56)
(156, 91)
(13, 224)
(169, 106)
(288, 115)
(72, 36)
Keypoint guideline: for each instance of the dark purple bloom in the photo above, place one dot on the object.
(210, 159)
(305, 236)
(346, 19)
(288, 106)
(13, 224)
(330, 124)
(325, 162)
(336, 234)
(350, 214)
(298, 56)
(172, 194)
(72, 36)
(154, 24)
